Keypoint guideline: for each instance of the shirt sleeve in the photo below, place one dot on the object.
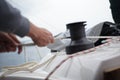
(12, 21)
(115, 9)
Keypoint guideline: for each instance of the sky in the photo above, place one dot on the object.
(55, 14)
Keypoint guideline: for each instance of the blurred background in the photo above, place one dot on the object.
(55, 14)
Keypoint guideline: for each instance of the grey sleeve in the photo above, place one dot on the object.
(12, 21)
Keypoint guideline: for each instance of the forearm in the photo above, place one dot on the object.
(12, 21)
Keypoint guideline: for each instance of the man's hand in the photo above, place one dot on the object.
(40, 36)
(9, 42)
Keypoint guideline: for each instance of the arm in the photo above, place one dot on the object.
(11, 21)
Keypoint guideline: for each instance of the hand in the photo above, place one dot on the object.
(9, 42)
(40, 36)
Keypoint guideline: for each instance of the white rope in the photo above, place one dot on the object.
(45, 62)
(30, 66)
(13, 69)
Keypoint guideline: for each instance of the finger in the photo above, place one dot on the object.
(17, 42)
(6, 42)
(13, 42)
(47, 40)
(8, 39)
(2, 49)
(52, 39)
(10, 48)
(42, 42)
(14, 38)
(19, 49)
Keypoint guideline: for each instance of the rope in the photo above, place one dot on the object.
(30, 66)
(98, 37)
